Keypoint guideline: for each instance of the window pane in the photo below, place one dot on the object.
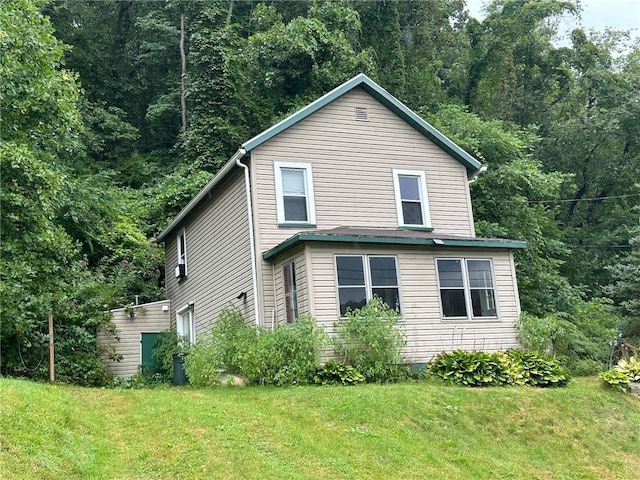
(290, 292)
(293, 181)
(383, 271)
(351, 298)
(483, 303)
(390, 296)
(450, 273)
(295, 209)
(453, 303)
(350, 271)
(412, 213)
(479, 273)
(409, 187)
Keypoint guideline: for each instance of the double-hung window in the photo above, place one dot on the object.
(294, 194)
(290, 292)
(182, 249)
(185, 325)
(411, 199)
(361, 277)
(466, 288)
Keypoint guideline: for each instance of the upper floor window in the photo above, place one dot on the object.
(411, 198)
(181, 269)
(361, 277)
(290, 292)
(294, 193)
(466, 288)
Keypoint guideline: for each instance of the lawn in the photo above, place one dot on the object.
(409, 430)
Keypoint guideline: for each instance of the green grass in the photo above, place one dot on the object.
(412, 430)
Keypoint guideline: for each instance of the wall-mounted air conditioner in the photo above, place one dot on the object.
(181, 270)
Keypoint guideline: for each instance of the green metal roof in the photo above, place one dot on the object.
(384, 97)
(390, 238)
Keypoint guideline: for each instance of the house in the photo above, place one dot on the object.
(352, 196)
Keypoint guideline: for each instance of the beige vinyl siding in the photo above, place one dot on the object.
(149, 318)
(218, 257)
(299, 258)
(427, 333)
(352, 164)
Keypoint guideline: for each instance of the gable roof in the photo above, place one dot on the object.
(384, 97)
(362, 81)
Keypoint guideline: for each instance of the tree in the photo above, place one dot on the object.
(514, 199)
(41, 271)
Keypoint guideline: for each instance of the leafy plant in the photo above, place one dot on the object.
(337, 372)
(526, 368)
(473, 369)
(287, 355)
(620, 377)
(371, 340)
(482, 369)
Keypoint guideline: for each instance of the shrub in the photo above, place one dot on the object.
(482, 369)
(370, 340)
(336, 372)
(526, 368)
(287, 355)
(621, 376)
(474, 369)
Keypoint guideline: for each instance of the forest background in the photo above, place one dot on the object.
(113, 114)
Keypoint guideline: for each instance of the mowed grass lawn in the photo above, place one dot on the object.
(404, 431)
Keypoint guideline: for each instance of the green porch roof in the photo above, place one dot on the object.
(390, 237)
(376, 91)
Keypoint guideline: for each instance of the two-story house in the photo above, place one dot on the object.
(352, 196)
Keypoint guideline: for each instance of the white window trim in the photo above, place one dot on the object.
(367, 278)
(424, 199)
(187, 309)
(291, 265)
(308, 178)
(467, 291)
(183, 233)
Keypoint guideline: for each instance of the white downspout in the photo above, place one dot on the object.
(254, 270)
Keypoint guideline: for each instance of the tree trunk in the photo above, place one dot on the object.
(183, 61)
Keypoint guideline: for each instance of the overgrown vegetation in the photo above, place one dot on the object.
(370, 339)
(289, 354)
(482, 369)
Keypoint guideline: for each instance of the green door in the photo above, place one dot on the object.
(150, 364)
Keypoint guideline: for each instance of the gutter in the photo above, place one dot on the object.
(254, 270)
(476, 174)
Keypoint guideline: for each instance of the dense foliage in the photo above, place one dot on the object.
(107, 131)
(371, 339)
(288, 354)
(482, 369)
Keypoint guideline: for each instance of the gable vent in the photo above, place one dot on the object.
(361, 114)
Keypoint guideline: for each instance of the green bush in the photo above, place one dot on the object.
(335, 372)
(370, 340)
(474, 369)
(527, 368)
(482, 369)
(287, 355)
(621, 376)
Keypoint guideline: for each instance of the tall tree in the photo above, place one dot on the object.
(40, 268)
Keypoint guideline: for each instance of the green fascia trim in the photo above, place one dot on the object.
(384, 97)
(416, 228)
(429, 242)
(297, 225)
